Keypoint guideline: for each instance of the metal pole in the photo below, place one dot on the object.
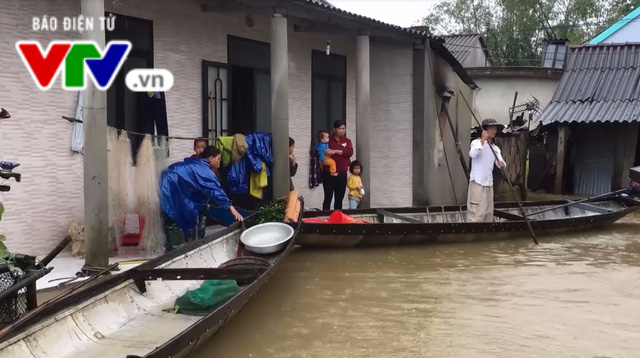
(96, 195)
(363, 119)
(524, 215)
(280, 105)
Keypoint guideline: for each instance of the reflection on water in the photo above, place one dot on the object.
(571, 296)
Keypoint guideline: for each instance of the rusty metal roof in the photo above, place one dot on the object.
(601, 84)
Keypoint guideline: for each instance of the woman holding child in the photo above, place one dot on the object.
(340, 150)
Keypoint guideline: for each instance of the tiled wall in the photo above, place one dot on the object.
(39, 208)
(392, 124)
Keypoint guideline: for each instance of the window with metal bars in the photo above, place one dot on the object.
(215, 109)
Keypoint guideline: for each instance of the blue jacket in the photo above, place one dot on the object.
(185, 187)
(320, 148)
(258, 151)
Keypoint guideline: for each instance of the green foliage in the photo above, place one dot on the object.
(518, 27)
(274, 213)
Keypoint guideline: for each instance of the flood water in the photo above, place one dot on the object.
(572, 296)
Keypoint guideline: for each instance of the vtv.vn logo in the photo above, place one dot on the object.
(82, 57)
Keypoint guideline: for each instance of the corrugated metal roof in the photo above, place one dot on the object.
(461, 45)
(326, 5)
(601, 84)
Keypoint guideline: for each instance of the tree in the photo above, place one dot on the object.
(517, 28)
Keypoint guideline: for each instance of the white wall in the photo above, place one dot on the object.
(496, 94)
(628, 33)
(39, 208)
(391, 124)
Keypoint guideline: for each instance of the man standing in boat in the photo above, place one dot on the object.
(480, 196)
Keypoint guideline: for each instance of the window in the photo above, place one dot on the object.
(328, 90)
(555, 55)
(215, 99)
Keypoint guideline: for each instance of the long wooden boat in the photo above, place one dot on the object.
(124, 316)
(443, 224)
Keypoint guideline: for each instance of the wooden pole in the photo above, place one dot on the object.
(560, 158)
(463, 162)
(524, 215)
(513, 108)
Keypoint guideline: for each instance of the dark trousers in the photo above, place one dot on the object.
(334, 188)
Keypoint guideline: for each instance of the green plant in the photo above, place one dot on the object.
(274, 213)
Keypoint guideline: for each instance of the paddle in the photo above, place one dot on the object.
(601, 196)
(524, 215)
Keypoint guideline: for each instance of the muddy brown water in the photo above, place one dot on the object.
(575, 295)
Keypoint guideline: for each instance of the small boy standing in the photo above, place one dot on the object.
(354, 183)
(323, 144)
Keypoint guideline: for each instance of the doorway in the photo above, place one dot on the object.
(250, 84)
(123, 104)
(328, 90)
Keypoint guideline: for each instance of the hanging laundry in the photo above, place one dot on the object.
(152, 117)
(224, 144)
(239, 148)
(114, 227)
(120, 188)
(161, 152)
(258, 182)
(238, 178)
(152, 114)
(258, 151)
(148, 199)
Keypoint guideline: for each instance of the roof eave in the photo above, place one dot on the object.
(440, 49)
(615, 27)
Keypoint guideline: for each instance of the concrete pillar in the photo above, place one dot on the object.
(363, 118)
(421, 77)
(96, 194)
(280, 105)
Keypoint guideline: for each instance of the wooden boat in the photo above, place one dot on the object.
(441, 224)
(124, 316)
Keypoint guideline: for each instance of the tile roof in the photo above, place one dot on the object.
(326, 5)
(600, 84)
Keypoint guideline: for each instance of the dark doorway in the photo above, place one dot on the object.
(328, 90)
(123, 104)
(249, 63)
(243, 95)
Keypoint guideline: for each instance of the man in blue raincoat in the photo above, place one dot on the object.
(187, 187)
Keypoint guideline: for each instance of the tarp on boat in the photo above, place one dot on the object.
(204, 299)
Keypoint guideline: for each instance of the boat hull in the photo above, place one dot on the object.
(125, 316)
(410, 233)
